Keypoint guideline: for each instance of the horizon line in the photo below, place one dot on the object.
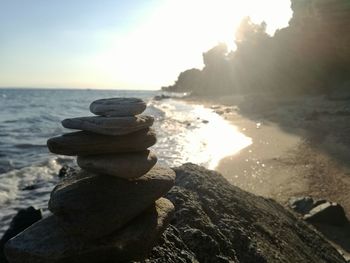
(73, 88)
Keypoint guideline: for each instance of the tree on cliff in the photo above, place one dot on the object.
(311, 55)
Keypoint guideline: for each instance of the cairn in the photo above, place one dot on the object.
(112, 210)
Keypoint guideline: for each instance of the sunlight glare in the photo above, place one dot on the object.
(177, 33)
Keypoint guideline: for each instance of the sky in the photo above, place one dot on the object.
(112, 44)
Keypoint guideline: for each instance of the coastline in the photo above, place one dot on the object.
(297, 151)
(284, 160)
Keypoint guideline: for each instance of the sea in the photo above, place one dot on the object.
(186, 132)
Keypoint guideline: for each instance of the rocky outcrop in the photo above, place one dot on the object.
(213, 222)
(218, 222)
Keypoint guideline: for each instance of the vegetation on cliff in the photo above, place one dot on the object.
(311, 55)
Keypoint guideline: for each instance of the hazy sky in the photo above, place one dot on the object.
(134, 44)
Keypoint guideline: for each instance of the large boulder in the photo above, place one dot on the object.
(218, 222)
(47, 242)
(93, 205)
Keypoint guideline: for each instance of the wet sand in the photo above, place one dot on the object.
(261, 167)
(292, 154)
(300, 148)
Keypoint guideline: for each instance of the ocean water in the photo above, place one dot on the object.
(28, 117)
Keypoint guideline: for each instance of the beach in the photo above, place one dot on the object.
(293, 153)
(299, 148)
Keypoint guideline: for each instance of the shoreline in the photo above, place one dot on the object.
(300, 156)
(284, 160)
(256, 168)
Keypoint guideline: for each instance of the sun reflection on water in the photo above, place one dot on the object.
(193, 133)
(215, 139)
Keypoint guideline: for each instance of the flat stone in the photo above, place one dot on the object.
(327, 213)
(47, 242)
(123, 165)
(87, 143)
(118, 107)
(93, 206)
(109, 125)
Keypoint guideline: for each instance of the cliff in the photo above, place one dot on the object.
(218, 222)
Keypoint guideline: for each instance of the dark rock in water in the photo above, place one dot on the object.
(86, 143)
(66, 171)
(118, 107)
(94, 205)
(30, 187)
(124, 165)
(109, 125)
(218, 222)
(327, 213)
(46, 242)
(161, 97)
(23, 219)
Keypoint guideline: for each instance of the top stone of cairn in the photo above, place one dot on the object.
(118, 107)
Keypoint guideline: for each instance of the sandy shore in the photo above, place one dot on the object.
(293, 153)
(301, 147)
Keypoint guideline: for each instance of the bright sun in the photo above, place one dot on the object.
(177, 33)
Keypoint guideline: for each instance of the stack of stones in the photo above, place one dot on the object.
(112, 209)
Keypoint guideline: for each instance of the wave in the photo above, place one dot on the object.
(28, 146)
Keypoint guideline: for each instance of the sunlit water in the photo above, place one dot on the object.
(186, 133)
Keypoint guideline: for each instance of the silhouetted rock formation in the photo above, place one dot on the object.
(311, 55)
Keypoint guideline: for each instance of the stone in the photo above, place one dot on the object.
(66, 171)
(302, 204)
(327, 213)
(118, 107)
(86, 143)
(46, 242)
(124, 165)
(109, 125)
(22, 220)
(94, 205)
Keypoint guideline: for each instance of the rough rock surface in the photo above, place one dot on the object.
(109, 125)
(217, 222)
(124, 165)
(94, 205)
(86, 143)
(118, 107)
(46, 242)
